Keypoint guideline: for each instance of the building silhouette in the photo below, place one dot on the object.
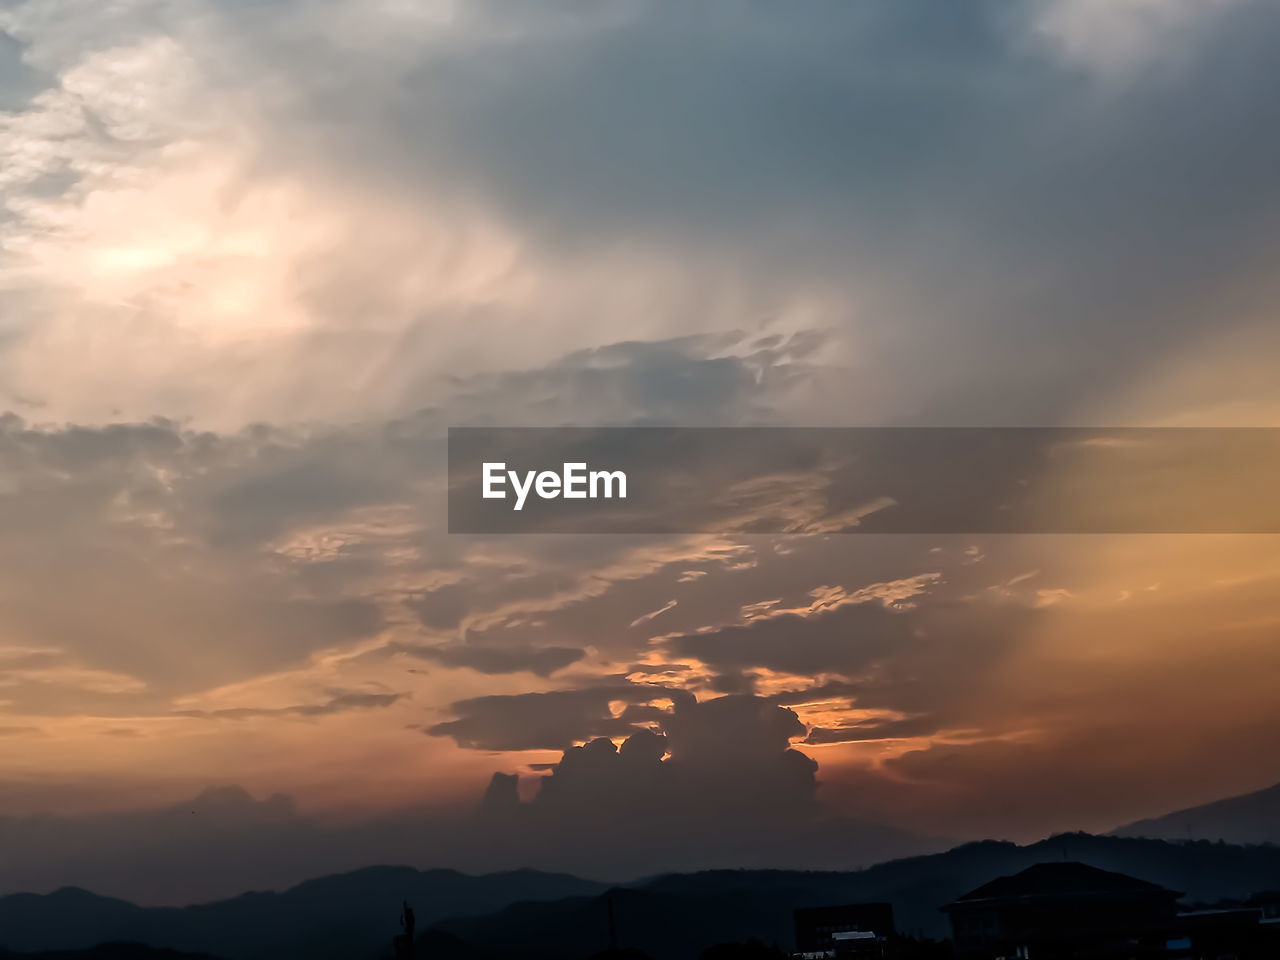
(847, 930)
(1073, 911)
(1064, 910)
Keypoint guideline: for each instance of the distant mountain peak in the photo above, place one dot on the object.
(232, 801)
(1247, 818)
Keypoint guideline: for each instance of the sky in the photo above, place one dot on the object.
(256, 258)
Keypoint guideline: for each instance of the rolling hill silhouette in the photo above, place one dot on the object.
(543, 915)
(675, 917)
(1248, 818)
(243, 843)
(108, 951)
(343, 915)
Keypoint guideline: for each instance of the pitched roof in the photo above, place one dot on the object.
(1063, 878)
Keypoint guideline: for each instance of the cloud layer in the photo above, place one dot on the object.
(257, 258)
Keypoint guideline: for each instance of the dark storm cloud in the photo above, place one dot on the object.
(718, 757)
(547, 721)
(542, 661)
(732, 732)
(716, 782)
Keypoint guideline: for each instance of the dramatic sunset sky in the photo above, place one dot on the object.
(256, 256)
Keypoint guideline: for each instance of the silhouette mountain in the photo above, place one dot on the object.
(108, 951)
(242, 843)
(337, 916)
(543, 915)
(1248, 818)
(238, 842)
(675, 917)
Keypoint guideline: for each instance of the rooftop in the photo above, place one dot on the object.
(1058, 879)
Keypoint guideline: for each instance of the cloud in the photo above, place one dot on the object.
(338, 703)
(646, 617)
(860, 731)
(548, 721)
(722, 757)
(542, 661)
(714, 782)
(845, 640)
(156, 531)
(201, 559)
(681, 757)
(915, 183)
(1120, 37)
(124, 732)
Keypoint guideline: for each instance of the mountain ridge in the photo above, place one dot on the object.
(1245, 818)
(671, 916)
(329, 915)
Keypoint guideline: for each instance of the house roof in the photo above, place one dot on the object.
(1058, 879)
